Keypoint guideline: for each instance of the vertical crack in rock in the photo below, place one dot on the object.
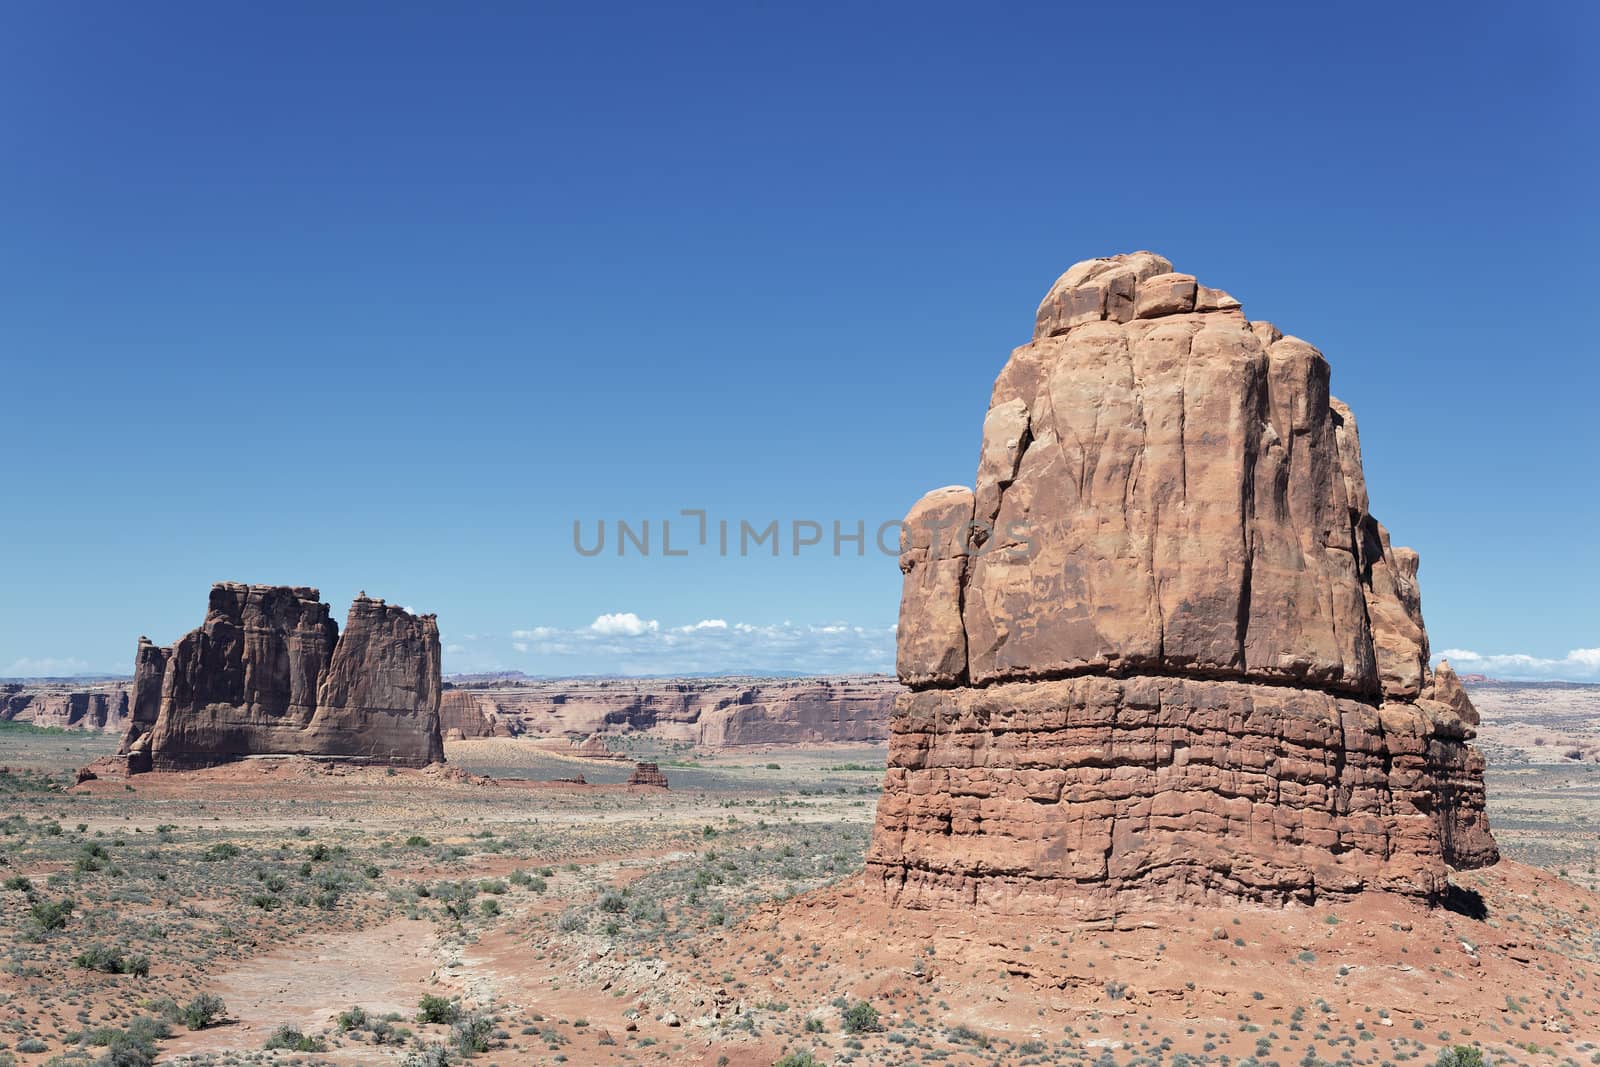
(268, 673)
(1208, 682)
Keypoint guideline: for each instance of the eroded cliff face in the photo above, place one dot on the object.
(467, 713)
(268, 673)
(149, 672)
(1164, 648)
(66, 707)
(713, 713)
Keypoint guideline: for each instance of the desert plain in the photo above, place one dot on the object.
(484, 911)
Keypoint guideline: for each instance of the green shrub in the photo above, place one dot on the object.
(861, 1018)
(436, 1009)
(125, 1050)
(471, 1034)
(432, 1056)
(386, 1033)
(222, 850)
(92, 857)
(148, 1029)
(110, 961)
(51, 915)
(354, 1019)
(202, 1011)
(798, 1059)
(964, 1035)
(288, 1038)
(166, 1008)
(1459, 1056)
(417, 841)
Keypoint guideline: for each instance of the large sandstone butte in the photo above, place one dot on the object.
(269, 673)
(1164, 652)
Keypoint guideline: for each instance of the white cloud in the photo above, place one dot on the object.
(623, 624)
(46, 667)
(1578, 665)
(624, 643)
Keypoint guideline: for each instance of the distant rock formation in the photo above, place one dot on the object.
(595, 747)
(268, 673)
(1163, 652)
(714, 713)
(465, 714)
(66, 706)
(648, 774)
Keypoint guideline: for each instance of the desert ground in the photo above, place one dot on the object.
(289, 911)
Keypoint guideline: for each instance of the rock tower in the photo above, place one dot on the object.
(1163, 652)
(268, 673)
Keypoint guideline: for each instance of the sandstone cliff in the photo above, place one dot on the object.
(466, 713)
(1163, 650)
(714, 713)
(149, 671)
(67, 707)
(268, 673)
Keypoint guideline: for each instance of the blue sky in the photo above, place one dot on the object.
(387, 299)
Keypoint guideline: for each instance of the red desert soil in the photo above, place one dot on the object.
(313, 978)
(728, 969)
(1378, 963)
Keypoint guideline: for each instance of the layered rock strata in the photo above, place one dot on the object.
(711, 713)
(66, 707)
(269, 673)
(1163, 650)
(648, 774)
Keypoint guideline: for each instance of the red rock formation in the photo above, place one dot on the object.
(269, 673)
(594, 747)
(149, 671)
(1164, 651)
(66, 706)
(468, 714)
(648, 774)
(715, 713)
